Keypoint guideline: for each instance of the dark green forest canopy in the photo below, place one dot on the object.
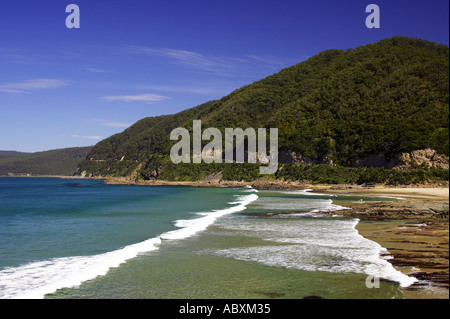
(54, 162)
(339, 106)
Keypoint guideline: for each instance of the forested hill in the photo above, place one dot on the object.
(54, 162)
(355, 107)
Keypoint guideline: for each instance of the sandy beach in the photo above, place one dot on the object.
(425, 193)
(432, 191)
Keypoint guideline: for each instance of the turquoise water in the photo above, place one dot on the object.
(83, 239)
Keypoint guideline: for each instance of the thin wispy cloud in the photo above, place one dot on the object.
(32, 85)
(202, 89)
(217, 64)
(24, 57)
(87, 137)
(19, 59)
(147, 98)
(272, 61)
(110, 123)
(190, 59)
(95, 70)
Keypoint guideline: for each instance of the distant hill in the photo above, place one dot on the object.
(10, 154)
(361, 107)
(54, 162)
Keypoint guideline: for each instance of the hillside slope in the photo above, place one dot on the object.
(358, 107)
(54, 162)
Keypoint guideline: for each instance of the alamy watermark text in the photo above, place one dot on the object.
(234, 146)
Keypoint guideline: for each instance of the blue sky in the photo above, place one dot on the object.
(131, 59)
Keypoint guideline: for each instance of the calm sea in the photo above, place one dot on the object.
(77, 238)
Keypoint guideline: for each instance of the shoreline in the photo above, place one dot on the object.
(414, 230)
(413, 226)
(416, 249)
(428, 191)
(413, 191)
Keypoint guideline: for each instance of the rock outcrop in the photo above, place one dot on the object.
(427, 156)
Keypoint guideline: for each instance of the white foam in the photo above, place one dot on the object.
(399, 198)
(305, 192)
(35, 280)
(329, 207)
(248, 188)
(193, 226)
(313, 245)
(299, 207)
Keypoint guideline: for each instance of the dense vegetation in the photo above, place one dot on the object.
(55, 162)
(325, 174)
(162, 168)
(339, 107)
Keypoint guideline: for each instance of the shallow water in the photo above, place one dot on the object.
(83, 239)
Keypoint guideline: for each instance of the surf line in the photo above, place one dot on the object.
(190, 227)
(35, 280)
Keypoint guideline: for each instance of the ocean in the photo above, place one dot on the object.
(80, 238)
